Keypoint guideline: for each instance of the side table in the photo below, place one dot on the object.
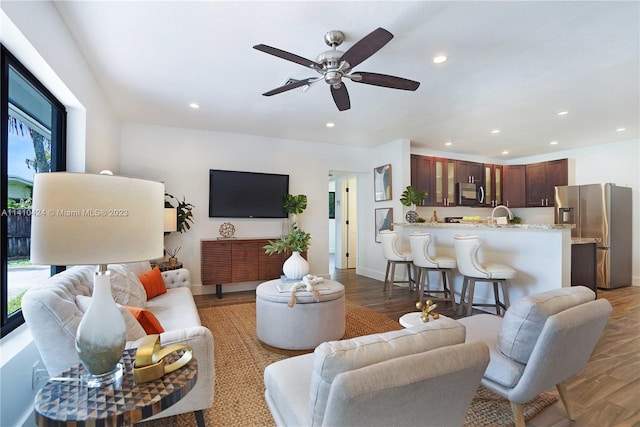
(67, 401)
(165, 266)
(414, 319)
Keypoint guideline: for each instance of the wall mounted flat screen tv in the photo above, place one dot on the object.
(235, 194)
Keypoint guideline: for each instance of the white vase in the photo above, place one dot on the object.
(295, 267)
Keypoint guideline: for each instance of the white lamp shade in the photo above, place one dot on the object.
(80, 219)
(170, 220)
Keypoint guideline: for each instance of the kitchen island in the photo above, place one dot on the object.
(540, 253)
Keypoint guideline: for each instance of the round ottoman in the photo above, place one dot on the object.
(305, 325)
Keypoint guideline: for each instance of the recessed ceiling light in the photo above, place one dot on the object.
(563, 113)
(194, 105)
(448, 143)
(505, 152)
(495, 131)
(330, 124)
(553, 143)
(621, 129)
(439, 59)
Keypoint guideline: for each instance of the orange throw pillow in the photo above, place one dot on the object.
(153, 283)
(147, 320)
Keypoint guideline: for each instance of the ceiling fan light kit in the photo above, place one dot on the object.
(333, 65)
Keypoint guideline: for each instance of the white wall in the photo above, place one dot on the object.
(181, 158)
(36, 35)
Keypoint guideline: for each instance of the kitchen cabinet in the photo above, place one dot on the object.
(541, 178)
(238, 260)
(444, 179)
(469, 172)
(514, 185)
(422, 176)
(493, 185)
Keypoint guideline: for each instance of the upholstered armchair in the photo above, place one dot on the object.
(543, 340)
(425, 375)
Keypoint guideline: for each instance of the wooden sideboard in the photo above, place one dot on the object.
(229, 261)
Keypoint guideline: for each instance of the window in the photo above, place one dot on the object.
(32, 134)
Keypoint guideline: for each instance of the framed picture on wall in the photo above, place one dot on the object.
(332, 204)
(382, 183)
(384, 221)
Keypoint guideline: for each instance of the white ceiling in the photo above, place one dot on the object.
(512, 66)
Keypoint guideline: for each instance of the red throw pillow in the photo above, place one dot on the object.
(153, 283)
(147, 320)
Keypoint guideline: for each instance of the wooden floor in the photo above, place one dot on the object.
(606, 393)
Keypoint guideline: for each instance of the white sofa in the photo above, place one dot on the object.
(425, 375)
(53, 309)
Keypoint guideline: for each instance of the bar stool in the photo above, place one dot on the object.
(395, 255)
(423, 261)
(473, 270)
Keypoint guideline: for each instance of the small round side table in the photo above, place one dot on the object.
(67, 401)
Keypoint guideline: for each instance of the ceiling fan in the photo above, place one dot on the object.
(333, 65)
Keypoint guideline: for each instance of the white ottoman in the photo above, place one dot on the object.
(303, 326)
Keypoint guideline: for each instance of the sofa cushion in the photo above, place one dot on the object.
(175, 309)
(334, 357)
(135, 330)
(525, 319)
(126, 288)
(153, 283)
(147, 320)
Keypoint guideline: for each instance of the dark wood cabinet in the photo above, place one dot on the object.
(493, 185)
(583, 265)
(469, 172)
(225, 262)
(422, 176)
(444, 179)
(541, 178)
(514, 185)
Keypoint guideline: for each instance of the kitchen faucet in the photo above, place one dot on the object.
(500, 207)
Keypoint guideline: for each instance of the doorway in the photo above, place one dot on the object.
(343, 228)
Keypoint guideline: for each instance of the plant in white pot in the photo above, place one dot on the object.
(411, 197)
(298, 240)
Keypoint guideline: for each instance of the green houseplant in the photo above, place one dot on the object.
(184, 211)
(294, 204)
(410, 196)
(295, 267)
(297, 240)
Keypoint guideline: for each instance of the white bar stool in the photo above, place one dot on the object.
(422, 248)
(395, 254)
(473, 270)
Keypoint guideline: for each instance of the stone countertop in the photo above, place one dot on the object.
(584, 240)
(485, 225)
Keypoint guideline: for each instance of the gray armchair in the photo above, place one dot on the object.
(542, 341)
(425, 375)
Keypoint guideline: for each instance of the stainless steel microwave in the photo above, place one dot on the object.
(469, 194)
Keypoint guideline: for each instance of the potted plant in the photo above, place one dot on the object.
(411, 197)
(298, 240)
(294, 205)
(184, 211)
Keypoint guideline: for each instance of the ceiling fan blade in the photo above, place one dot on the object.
(290, 86)
(384, 80)
(288, 56)
(341, 97)
(367, 46)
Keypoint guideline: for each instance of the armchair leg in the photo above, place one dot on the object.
(518, 415)
(199, 418)
(564, 396)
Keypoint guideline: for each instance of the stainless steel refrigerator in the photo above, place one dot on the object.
(601, 211)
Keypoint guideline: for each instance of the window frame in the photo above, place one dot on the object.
(58, 163)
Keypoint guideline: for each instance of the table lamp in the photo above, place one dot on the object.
(81, 219)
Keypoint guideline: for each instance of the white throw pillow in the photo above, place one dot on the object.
(126, 288)
(134, 329)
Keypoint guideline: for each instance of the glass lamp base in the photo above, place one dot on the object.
(110, 378)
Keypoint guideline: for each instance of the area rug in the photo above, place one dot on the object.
(240, 360)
